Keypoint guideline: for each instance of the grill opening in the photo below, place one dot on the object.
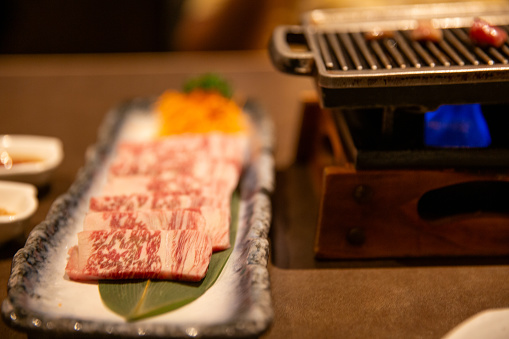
(407, 127)
(377, 140)
(465, 199)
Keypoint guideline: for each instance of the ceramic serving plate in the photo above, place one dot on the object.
(41, 301)
(29, 158)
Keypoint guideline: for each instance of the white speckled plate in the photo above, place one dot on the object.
(41, 301)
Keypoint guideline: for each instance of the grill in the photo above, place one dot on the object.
(353, 71)
(351, 51)
(383, 191)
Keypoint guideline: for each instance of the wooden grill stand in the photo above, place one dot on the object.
(399, 213)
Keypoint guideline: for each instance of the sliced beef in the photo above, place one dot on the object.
(149, 219)
(140, 254)
(216, 213)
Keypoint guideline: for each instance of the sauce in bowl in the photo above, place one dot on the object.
(4, 212)
(8, 160)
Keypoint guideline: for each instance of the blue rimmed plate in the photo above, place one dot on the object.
(42, 301)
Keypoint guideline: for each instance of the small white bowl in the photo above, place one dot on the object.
(20, 201)
(39, 156)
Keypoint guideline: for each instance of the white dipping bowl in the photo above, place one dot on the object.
(20, 199)
(47, 150)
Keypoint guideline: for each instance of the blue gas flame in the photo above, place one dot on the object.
(456, 126)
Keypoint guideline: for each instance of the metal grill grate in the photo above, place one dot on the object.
(352, 71)
(352, 52)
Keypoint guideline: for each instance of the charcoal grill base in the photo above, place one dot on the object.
(400, 213)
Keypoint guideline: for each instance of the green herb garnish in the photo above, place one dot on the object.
(209, 82)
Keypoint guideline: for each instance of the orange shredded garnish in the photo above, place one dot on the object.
(198, 112)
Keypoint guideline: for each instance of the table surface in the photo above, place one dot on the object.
(67, 96)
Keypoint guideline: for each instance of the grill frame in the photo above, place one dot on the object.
(417, 83)
(400, 72)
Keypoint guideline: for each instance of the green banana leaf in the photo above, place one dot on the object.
(136, 300)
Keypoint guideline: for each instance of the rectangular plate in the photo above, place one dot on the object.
(42, 301)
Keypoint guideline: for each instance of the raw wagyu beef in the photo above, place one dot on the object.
(198, 167)
(194, 177)
(216, 213)
(151, 220)
(140, 254)
(221, 187)
(178, 151)
(157, 201)
(162, 211)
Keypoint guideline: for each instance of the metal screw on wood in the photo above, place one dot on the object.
(362, 193)
(356, 236)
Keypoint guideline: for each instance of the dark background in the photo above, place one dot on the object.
(116, 26)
